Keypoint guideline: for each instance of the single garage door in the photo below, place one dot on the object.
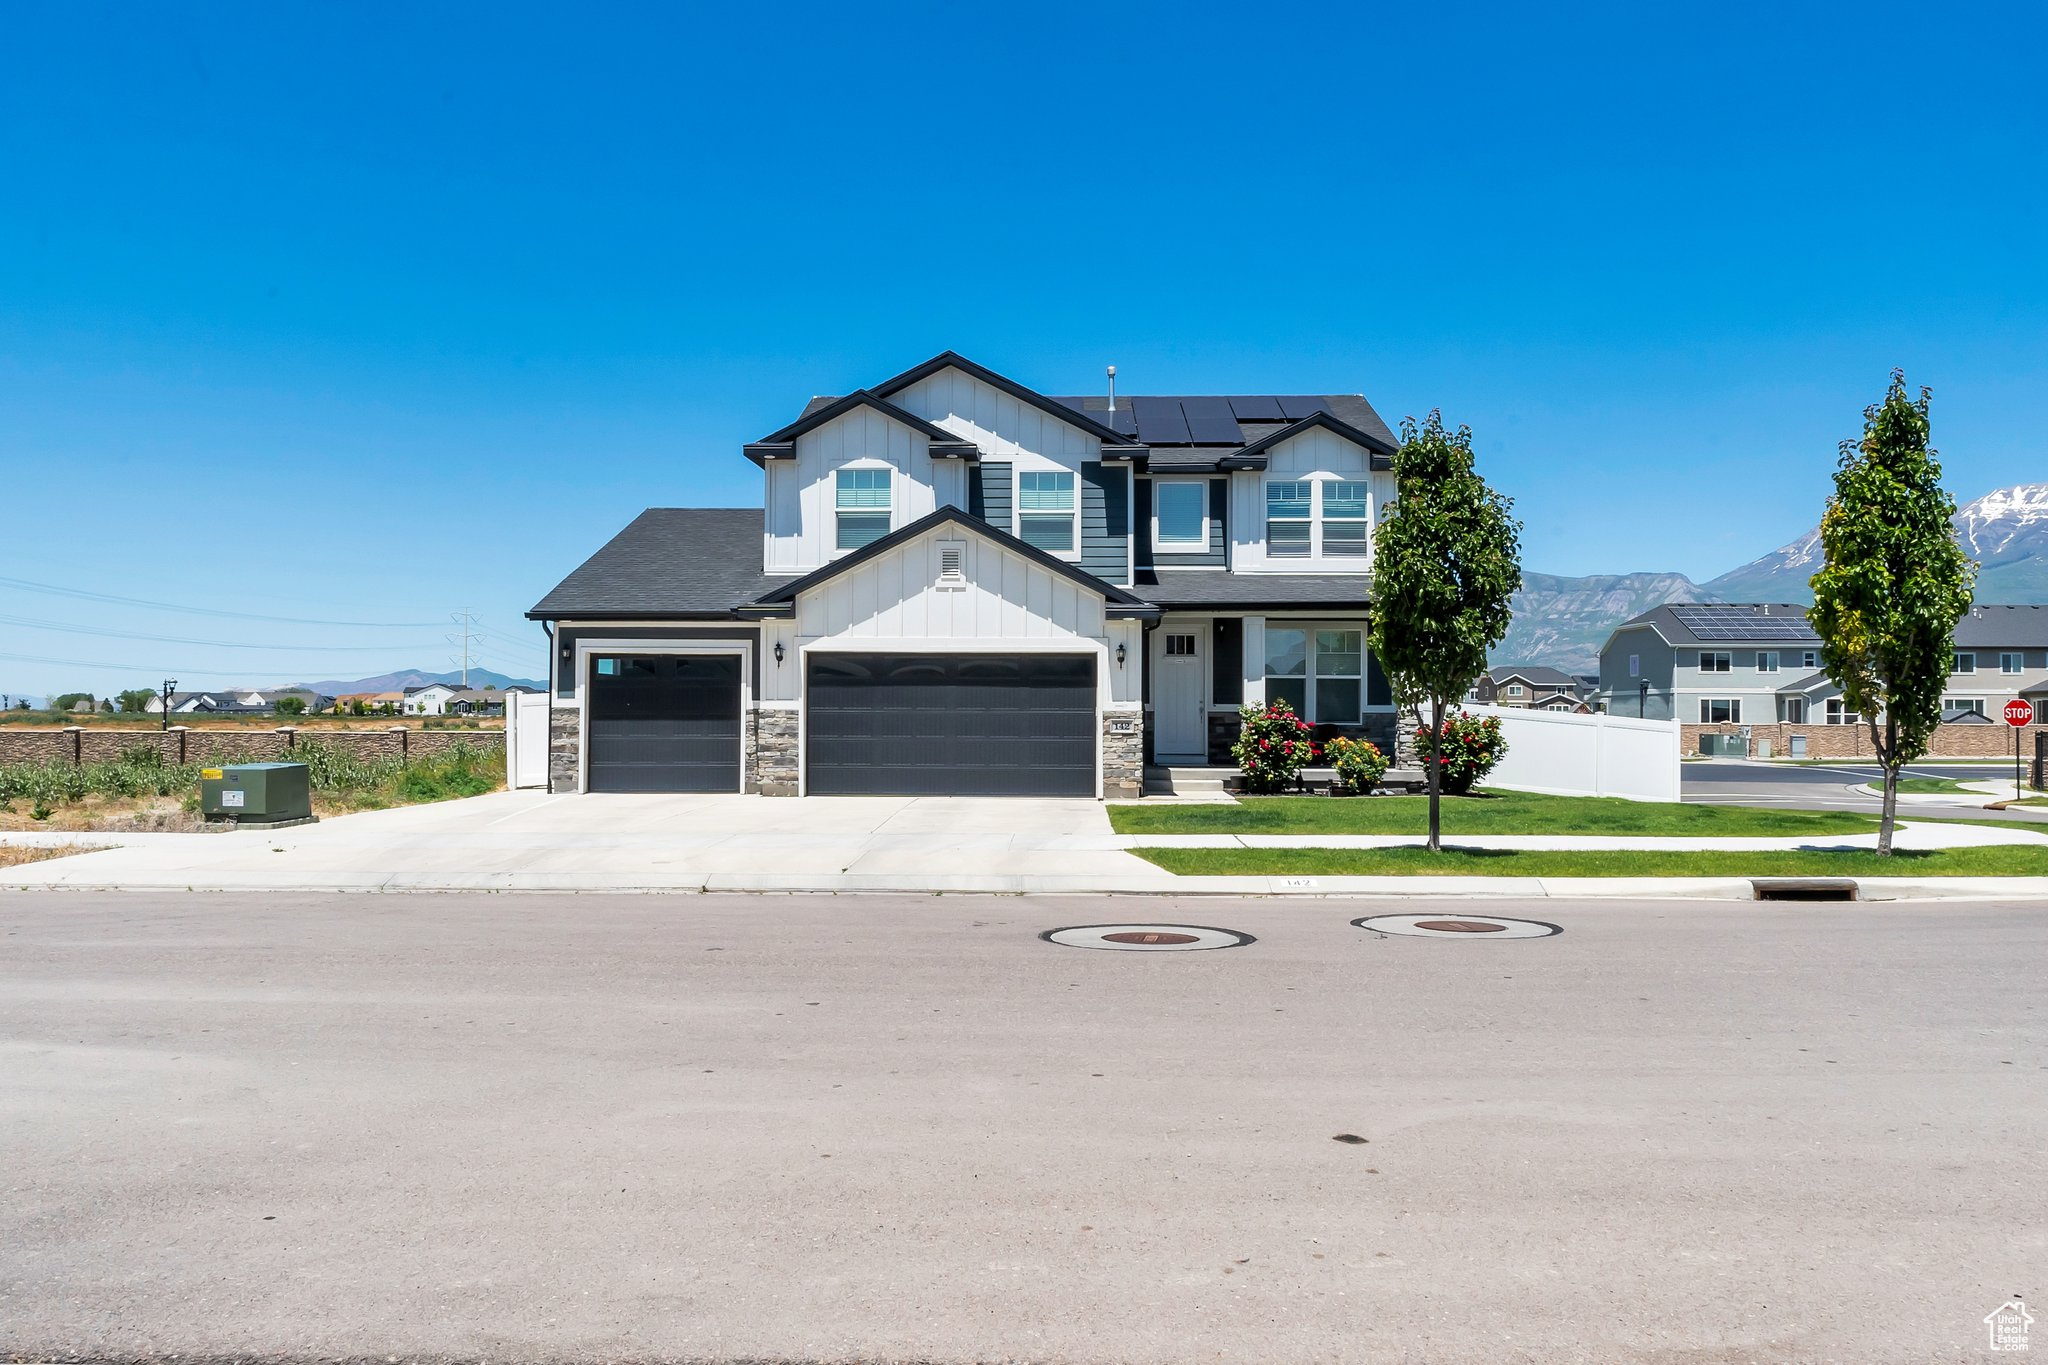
(951, 725)
(665, 723)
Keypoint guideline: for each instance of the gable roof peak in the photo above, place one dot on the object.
(953, 360)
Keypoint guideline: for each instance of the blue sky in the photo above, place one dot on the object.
(372, 313)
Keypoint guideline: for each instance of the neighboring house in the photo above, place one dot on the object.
(234, 701)
(960, 585)
(480, 702)
(1530, 686)
(371, 700)
(429, 699)
(1759, 663)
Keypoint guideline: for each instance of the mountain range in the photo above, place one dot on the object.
(413, 677)
(1563, 621)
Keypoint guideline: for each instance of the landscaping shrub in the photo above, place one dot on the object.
(1272, 747)
(1470, 748)
(1359, 763)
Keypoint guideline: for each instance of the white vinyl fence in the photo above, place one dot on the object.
(526, 739)
(1562, 754)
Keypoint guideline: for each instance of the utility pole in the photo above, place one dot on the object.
(466, 620)
(170, 686)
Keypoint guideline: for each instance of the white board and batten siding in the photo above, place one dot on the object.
(1006, 603)
(802, 512)
(1561, 754)
(1001, 425)
(1315, 454)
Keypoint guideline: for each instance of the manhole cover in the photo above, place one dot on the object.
(1147, 938)
(1465, 926)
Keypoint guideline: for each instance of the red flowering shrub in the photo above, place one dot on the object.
(1470, 748)
(1273, 746)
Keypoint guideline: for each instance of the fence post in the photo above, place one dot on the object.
(291, 736)
(181, 731)
(404, 748)
(2040, 759)
(77, 733)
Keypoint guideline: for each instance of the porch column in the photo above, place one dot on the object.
(1255, 660)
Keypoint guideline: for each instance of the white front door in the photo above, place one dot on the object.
(1180, 718)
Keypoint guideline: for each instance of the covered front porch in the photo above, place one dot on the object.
(1200, 667)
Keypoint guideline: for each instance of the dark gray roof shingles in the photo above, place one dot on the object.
(671, 561)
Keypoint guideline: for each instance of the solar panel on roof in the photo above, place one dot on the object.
(1295, 406)
(1161, 422)
(1262, 407)
(1726, 622)
(1211, 422)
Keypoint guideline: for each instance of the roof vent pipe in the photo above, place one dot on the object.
(1112, 388)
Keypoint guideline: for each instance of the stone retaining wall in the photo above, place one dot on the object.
(1853, 741)
(180, 745)
(774, 770)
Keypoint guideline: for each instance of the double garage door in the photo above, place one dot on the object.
(874, 724)
(950, 725)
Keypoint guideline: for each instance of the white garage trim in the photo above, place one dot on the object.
(586, 648)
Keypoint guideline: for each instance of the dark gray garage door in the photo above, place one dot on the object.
(665, 723)
(951, 725)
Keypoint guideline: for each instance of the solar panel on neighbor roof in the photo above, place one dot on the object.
(1261, 407)
(1296, 406)
(1210, 421)
(1738, 623)
(1160, 422)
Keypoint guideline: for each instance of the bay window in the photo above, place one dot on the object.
(1046, 513)
(861, 499)
(1320, 672)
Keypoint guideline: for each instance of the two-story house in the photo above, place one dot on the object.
(1759, 664)
(959, 585)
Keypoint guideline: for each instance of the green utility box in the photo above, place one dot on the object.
(256, 793)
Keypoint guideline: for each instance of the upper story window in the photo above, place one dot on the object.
(1965, 662)
(1309, 517)
(862, 501)
(1767, 661)
(1046, 512)
(1716, 661)
(2012, 663)
(1290, 519)
(1180, 515)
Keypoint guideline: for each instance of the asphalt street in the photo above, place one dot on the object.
(570, 1128)
(1741, 782)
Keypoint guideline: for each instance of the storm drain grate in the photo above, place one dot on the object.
(1465, 926)
(1804, 889)
(1147, 938)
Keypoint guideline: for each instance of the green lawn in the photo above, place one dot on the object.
(2008, 861)
(1501, 812)
(1930, 786)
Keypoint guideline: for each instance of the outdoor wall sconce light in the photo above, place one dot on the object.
(1120, 654)
(778, 651)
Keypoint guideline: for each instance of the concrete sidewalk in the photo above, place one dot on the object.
(529, 841)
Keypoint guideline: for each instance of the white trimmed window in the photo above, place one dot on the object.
(1180, 516)
(1047, 515)
(1809, 658)
(1767, 661)
(1320, 672)
(1720, 710)
(1965, 662)
(1839, 713)
(2012, 663)
(1514, 689)
(1716, 661)
(1310, 517)
(1792, 710)
(1961, 706)
(1290, 519)
(862, 501)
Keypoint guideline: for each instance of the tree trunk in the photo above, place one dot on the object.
(1891, 789)
(1435, 761)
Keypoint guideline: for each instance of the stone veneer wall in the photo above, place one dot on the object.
(180, 745)
(564, 727)
(1123, 757)
(774, 758)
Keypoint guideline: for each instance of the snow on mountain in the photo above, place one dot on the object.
(2002, 521)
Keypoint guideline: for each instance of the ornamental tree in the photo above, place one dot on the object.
(1892, 585)
(1445, 563)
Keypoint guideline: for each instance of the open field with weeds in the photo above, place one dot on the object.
(139, 791)
(16, 855)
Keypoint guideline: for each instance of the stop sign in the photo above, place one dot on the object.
(2019, 711)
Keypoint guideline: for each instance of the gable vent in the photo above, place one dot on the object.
(952, 563)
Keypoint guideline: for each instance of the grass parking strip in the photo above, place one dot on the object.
(2004, 860)
(1497, 812)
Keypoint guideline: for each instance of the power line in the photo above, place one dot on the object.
(125, 668)
(83, 595)
(183, 640)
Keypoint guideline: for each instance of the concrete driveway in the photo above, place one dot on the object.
(524, 841)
